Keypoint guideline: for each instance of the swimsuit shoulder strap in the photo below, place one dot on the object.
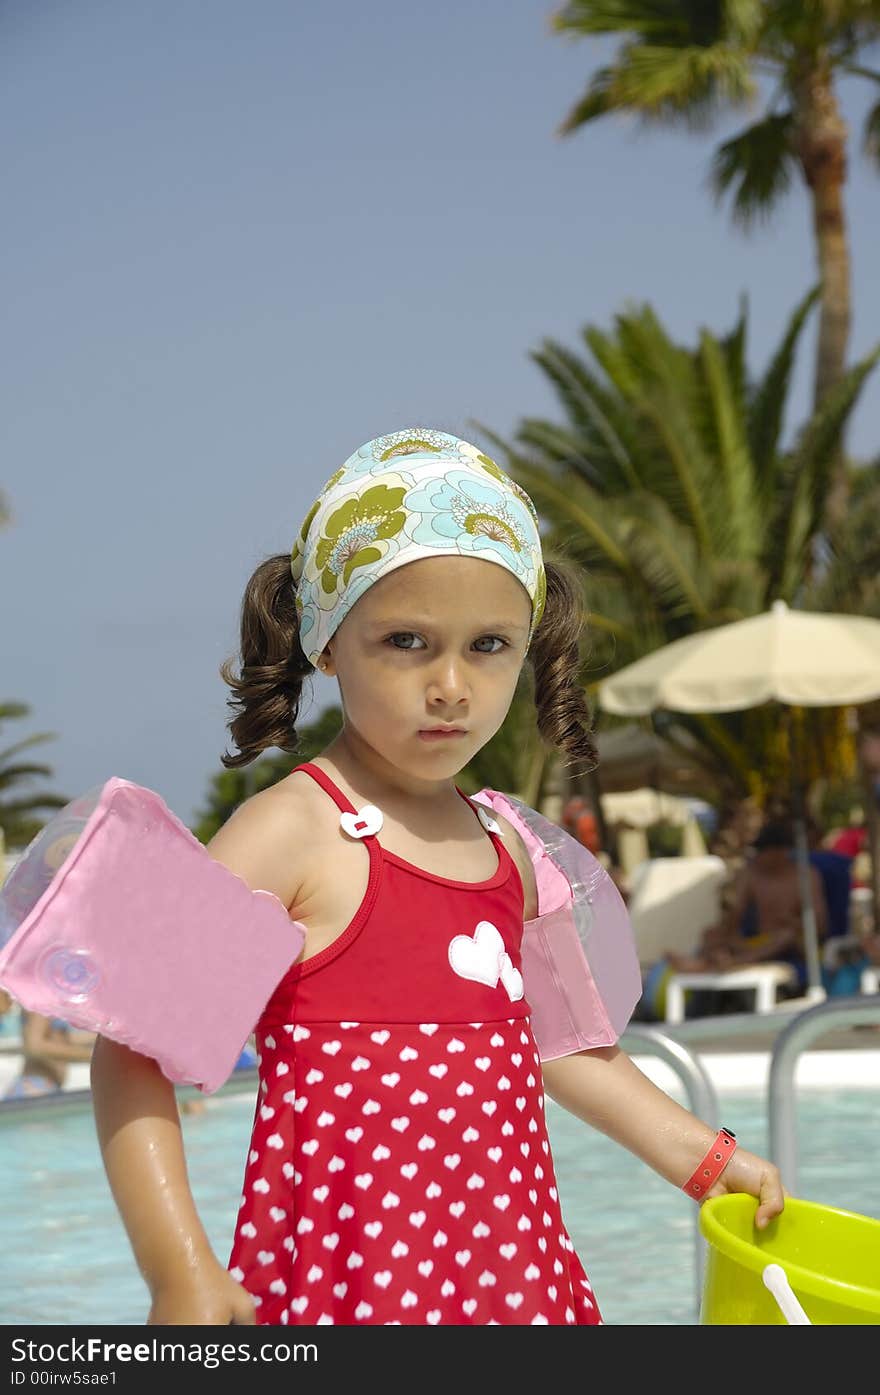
(323, 779)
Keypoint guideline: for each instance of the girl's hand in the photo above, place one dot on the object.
(755, 1176)
(206, 1299)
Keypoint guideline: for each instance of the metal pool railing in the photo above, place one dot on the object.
(699, 1092)
(795, 1037)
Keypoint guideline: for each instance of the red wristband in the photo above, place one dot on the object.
(710, 1168)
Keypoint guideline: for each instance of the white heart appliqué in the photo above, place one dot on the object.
(512, 979)
(478, 958)
(363, 824)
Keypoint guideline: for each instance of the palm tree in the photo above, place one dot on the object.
(851, 581)
(668, 482)
(20, 819)
(688, 60)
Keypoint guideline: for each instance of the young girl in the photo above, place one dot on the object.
(399, 1169)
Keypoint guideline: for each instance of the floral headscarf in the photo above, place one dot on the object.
(412, 494)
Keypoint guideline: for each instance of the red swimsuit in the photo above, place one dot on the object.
(399, 1168)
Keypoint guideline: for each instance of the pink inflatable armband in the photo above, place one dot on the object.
(117, 920)
(580, 966)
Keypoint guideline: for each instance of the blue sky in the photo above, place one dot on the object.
(240, 240)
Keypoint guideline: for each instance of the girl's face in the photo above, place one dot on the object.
(439, 642)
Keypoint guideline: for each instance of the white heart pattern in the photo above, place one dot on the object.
(483, 959)
(447, 1214)
(512, 979)
(363, 824)
(479, 957)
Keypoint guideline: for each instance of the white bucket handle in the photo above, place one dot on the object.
(776, 1280)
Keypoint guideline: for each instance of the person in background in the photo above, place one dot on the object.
(49, 1045)
(579, 820)
(851, 840)
(7, 1007)
(762, 920)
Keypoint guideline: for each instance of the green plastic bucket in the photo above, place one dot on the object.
(831, 1259)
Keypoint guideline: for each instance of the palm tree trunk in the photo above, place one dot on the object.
(821, 145)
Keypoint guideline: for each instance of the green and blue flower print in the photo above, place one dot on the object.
(411, 494)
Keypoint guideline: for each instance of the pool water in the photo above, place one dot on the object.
(633, 1231)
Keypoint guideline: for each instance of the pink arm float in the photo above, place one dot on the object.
(580, 966)
(121, 923)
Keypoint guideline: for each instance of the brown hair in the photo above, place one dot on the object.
(564, 719)
(267, 691)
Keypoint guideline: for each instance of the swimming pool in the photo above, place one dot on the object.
(634, 1232)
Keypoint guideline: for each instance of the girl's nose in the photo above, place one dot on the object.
(449, 682)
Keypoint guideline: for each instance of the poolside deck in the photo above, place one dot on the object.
(762, 1035)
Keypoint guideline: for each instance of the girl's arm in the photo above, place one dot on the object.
(141, 1144)
(138, 1122)
(607, 1090)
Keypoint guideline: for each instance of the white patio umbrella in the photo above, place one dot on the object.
(795, 657)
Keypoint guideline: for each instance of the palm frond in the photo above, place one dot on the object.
(663, 553)
(609, 353)
(743, 21)
(770, 396)
(757, 166)
(19, 821)
(850, 583)
(821, 438)
(662, 21)
(37, 740)
(871, 134)
(677, 66)
(581, 507)
(668, 387)
(598, 100)
(11, 710)
(27, 804)
(554, 446)
(663, 83)
(598, 416)
(733, 346)
(738, 588)
(11, 774)
(808, 468)
(731, 451)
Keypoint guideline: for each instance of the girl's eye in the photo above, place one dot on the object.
(392, 639)
(493, 639)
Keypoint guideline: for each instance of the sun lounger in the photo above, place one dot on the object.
(765, 979)
(671, 902)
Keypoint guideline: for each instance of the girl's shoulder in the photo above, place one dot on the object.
(520, 854)
(269, 840)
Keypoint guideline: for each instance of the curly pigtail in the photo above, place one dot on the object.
(268, 690)
(564, 718)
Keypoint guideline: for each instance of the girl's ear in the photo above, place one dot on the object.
(326, 664)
